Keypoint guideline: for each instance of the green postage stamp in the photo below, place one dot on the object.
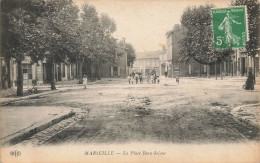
(229, 27)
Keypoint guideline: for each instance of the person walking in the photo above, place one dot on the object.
(250, 81)
(129, 79)
(85, 81)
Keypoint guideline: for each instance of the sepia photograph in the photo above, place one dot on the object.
(130, 81)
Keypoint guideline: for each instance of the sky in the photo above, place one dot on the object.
(144, 23)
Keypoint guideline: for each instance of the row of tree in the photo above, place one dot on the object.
(56, 31)
(197, 43)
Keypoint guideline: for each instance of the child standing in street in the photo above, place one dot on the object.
(132, 78)
(158, 79)
(177, 78)
(129, 79)
(85, 81)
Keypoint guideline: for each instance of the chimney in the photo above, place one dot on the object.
(163, 48)
(123, 39)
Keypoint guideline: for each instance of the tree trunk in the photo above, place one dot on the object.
(254, 68)
(52, 77)
(8, 73)
(199, 75)
(232, 69)
(1, 86)
(20, 78)
(89, 68)
(208, 71)
(80, 71)
(99, 72)
(221, 75)
(216, 76)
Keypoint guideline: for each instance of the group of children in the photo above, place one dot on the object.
(135, 77)
(138, 78)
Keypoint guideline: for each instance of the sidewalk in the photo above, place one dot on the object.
(60, 87)
(21, 122)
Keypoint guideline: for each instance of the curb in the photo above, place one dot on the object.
(5, 103)
(16, 138)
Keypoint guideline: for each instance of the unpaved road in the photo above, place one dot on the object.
(195, 111)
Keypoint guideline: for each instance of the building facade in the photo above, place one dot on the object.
(36, 73)
(238, 65)
(147, 61)
(173, 64)
(119, 67)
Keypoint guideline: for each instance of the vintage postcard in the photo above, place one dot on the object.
(129, 81)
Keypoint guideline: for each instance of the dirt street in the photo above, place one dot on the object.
(198, 110)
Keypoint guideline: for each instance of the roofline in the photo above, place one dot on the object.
(172, 31)
(121, 47)
(147, 58)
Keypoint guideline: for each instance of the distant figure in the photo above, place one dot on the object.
(154, 78)
(165, 74)
(85, 81)
(140, 78)
(132, 78)
(136, 78)
(177, 78)
(158, 80)
(129, 79)
(250, 81)
(148, 78)
(133, 74)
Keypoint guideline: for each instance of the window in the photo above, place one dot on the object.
(27, 68)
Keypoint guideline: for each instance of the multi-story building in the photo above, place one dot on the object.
(119, 67)
(147, 61)
(241, 63)
(36, 73)
(163, 63)
(238, 66)
(173, 64)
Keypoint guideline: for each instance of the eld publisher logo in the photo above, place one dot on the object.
(15, 153)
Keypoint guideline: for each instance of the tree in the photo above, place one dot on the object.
(97, 44)
(89, 30)
(198, 41)
(252, 46)
(34, 29)
(19, 17)
(105, 45)
(131, 56)
(57, 34)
